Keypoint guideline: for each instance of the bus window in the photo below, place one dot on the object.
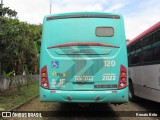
(156, 46)
(138, 52)
(129, 55)
(147, 49)
(132, 54)
(104, 31)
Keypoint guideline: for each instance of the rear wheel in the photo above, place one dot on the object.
(131, 91)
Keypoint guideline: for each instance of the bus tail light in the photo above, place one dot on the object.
(44, 78)
(122, 78)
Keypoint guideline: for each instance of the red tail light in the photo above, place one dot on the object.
(44, 78)
(122, 78)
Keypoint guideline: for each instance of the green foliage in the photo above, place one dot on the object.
(12, 98)
(19, 45)
(4, 11)
(8, 75)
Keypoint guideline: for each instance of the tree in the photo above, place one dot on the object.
(19, 45)
(4, 11)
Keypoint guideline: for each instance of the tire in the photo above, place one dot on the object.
(131, 91)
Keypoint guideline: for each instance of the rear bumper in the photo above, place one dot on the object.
(110, 96)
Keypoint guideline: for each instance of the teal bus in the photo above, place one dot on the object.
(83, 58)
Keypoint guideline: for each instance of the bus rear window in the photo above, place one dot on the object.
(104, 31)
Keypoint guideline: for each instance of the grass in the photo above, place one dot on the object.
(12, 98)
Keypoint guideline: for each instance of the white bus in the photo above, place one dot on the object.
(144, 64)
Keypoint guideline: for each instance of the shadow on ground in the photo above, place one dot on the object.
(147, 104)
(74, 111)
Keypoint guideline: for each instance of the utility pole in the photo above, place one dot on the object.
(50, 6)
(2, 2)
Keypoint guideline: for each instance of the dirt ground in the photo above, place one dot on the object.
(91, 111)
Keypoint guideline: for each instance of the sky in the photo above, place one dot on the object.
(138, 15)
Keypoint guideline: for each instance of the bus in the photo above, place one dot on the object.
(144, 64)
(83, 58)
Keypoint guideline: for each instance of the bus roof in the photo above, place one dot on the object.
(86, 13)
(146, 32)
(82, 14)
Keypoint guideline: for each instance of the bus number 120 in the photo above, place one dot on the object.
(108, 63)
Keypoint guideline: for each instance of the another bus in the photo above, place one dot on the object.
(83, 58)
(144, 64)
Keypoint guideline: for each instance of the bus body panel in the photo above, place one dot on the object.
(151, 76)
(146, 81)
(110, 96)
(90, 68)
(80, 29)
(82, 68)
(147, 93)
